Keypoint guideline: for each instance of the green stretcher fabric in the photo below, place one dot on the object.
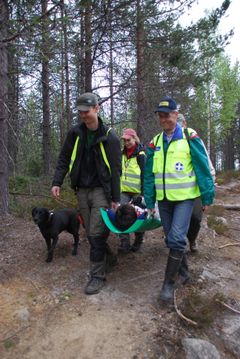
(140, 225)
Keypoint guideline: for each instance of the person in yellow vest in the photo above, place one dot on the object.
(91, 154)
(175, 176)
(133, 161)
(197, 213)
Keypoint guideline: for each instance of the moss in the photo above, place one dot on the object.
(9, 343)
(203, 309)
(213, 223)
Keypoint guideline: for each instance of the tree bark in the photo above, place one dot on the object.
(13, 119)
(88, 47)
(141, 103)
(4, 205)
(45, 91)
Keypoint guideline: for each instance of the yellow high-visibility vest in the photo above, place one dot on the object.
(131, 174)
(177, 178)
(74, 154)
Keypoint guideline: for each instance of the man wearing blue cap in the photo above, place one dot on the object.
(174, 177)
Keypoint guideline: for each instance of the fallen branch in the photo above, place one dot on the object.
(179, 313)
(228, 245)
(14, 334)
(228, 306)
(155, 309)
(235, 207)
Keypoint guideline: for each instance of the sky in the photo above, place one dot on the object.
(231, 20)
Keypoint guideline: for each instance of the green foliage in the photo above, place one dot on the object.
(28, 192)
(176, 61)
(21, 183)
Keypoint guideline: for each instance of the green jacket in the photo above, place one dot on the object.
(199, 161)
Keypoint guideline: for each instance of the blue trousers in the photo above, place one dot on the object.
(176, 218)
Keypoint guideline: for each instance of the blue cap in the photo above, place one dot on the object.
(166, 104)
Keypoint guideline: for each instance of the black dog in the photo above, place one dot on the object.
(53, 223)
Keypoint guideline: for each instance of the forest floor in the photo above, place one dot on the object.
(45, 313)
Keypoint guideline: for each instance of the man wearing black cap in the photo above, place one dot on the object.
(92, 156)
(174, 177)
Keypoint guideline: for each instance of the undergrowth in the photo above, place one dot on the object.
(227, 176)
(28, 192)
(216, 224)
(202, 308)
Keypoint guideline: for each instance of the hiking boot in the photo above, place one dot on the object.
(94, 285)
(124, 246)
(97, 277)
(138, 242)
(193, 246)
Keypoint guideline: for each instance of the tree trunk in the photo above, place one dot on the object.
(45, 91)
(229, 152)
(111, 79)
(61, 119)
(141, 105)
(3, 109)
(13, 121)
(88, 47)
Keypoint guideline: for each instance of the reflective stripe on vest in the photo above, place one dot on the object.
(74, 154)
(131, 175)
(178, 179)
(102, 149)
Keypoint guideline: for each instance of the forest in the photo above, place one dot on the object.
(128, 52)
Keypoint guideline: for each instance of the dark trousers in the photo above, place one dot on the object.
(90, 201)
(196, 218)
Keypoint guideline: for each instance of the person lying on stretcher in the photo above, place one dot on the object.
(127, 214)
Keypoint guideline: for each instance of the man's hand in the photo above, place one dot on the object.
(55, 191)
(151, 212)
(114, 205)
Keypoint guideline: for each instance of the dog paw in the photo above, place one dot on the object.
(48, 260)
(74, 252)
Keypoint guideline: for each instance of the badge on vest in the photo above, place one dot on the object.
(158, 148)
(179, 166)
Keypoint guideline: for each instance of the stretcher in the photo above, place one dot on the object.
(140, 225)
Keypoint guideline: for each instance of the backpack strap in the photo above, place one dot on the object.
(187, 134)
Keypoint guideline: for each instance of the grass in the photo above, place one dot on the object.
(8, 344)
(28, 192)
(227, 176)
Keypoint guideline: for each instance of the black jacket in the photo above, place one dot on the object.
(89, 169)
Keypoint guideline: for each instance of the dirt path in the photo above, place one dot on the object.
(45, 314)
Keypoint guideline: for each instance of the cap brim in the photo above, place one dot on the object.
(126, 137)
(163, 109)
(83, 108)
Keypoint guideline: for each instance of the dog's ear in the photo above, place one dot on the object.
(34, 211)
